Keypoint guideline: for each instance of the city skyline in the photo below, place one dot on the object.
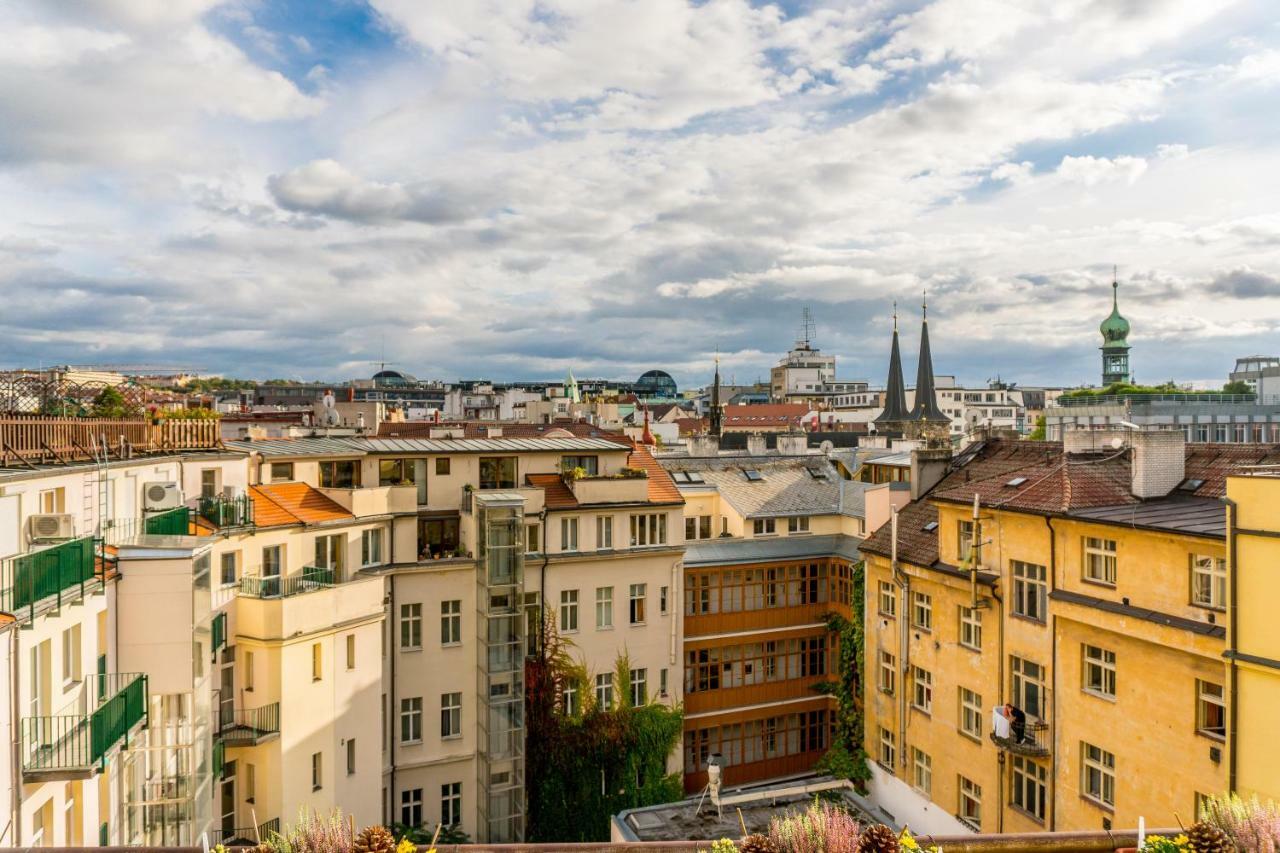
(511, 190)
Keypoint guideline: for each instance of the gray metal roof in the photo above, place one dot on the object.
(786, 486)
(1192, 515)
(717, 552)
(488, 445)
(363, 446)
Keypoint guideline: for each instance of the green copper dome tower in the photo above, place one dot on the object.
(1115, 342)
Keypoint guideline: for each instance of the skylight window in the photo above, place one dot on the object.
(1190, 485)
(752, 475)
(930, 527)
(817, 474)
(695, 477)
(680, 476)
(1016, 481)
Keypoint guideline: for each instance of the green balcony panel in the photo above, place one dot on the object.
(52, 572)
(174, 522)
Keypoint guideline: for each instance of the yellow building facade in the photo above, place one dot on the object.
(1101, 616)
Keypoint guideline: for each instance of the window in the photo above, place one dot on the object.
(763, 526)
(589, 464)
(442, 466)
(1099, 676)
(568, 534)
(964, 540)
(351, 651)
(604, 532)
(888, 751)
(798, 524)
(1028, 687)
(209, 482)
(228, 574)
(281, 472)
(272, 560)
(604, 691)
(317, 662)
(1209, 582)
(411, 720)
(411, 804)
(922, 611)
(970, 809)
(371, 547)
(637, 603)
(1100, 560)
(971, 713)
(649, 529)
(451, 622)
(971, 628)
(886, 601)
(663, 606)
(317, 771)
(1030, 783)
(53, 501)
(451, 715)
(250, 783)
(604, 607)
(921, 770)
(1098, 774)
(887, 673)
(662, 682)
(568, 610)
(639, 687)
(71, 654)
(497, 472)
(1211, 709)
(351, 756)
(570, 696)
(922, 689)
(697, 527)
(411, 625)
(533, 538)
(451, 804)
(396, 472)
(340, 475)
(248, 671)
(1030, 590)
(329, 552)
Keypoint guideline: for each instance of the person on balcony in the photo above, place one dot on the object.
(1017, 722)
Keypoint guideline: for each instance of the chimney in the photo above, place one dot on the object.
(793, 445)
(756, 444)
(704, 445)
(1159, 462)
(927, 468)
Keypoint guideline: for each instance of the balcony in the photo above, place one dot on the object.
(225, 513)
(376, 500)
(248, 726)
(1036, 741)
(310, 579)
(610, 490)
(47, 578)
(245, 836)
(75, 746)
(173, 522)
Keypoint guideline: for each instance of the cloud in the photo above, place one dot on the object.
(326, 188)
(1245, 283)
(1090, 170)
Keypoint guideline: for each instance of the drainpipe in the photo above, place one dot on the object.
(904, 640)
(1232, 615)
(390, 712)
(15, 748)
(1053, 683)
(542, 590)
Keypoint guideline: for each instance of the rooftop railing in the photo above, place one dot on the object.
(226, 512)
(79, 743)
(173, 522)
(26, 439)
(1121, 399)
(56, 574)
(247, 726)
(310, 579)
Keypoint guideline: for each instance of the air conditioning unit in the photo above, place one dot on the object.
(54, 526)
(161, 496)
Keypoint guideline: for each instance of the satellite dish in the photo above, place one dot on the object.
(1117, 442)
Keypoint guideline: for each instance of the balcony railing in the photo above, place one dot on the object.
(248, 726)
(173, 522)
(60, 572)
(75, 744)
(1120, 399)
(226, 512)
(310, 579)
(245, 836)
(1035, 741)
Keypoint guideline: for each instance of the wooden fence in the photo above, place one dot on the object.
(27, 439)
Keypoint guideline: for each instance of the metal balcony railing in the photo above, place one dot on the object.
(245, 836)
(310, 579)
(173, 522)
(226, 512)
(1035, 741)
(248, 726)
(1120, 399)
(80, 742)
(60, 572)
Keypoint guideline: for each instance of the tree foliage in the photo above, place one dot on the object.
(585, 763)
(846, 758)
(1038, 433)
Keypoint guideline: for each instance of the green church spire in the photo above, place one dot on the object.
(1115, 342)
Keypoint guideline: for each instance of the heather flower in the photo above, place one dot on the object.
(821, 828)
(1252, 825)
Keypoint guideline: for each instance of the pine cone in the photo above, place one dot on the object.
(878, 839)
(1207, 838)
(756, 844)
(375, 839)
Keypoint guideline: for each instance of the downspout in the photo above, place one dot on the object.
(15, 748)
(674, 595)
(1053, 682)
(904, 632)
(1232, 615)
(542, 588)
(393, 652)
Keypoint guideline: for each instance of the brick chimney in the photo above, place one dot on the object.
(1159, 461)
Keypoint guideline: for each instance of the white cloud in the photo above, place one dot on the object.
(1090, 170)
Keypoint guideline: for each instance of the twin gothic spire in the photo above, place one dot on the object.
(925, 410)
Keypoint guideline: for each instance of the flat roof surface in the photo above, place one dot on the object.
(716, 552)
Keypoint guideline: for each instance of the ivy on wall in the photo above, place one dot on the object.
(847, 759)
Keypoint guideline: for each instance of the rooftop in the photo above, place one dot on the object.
(481, 429)
(352, 447)
(293, 503)
(772, 485)
(720, 552)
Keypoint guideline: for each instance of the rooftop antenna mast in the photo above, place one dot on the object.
(807, 328)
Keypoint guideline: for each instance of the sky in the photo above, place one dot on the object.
(511, 189)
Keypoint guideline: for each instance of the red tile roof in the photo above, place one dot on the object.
(293, 503)
(662, 489)
(764, 414)
(556, 494)
(692, 426)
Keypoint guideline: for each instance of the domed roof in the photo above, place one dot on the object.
(392, 377)
(557, 432)
(657, 383)
(1115, 329)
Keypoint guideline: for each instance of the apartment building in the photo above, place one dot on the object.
(770, 547)
(1089, 592)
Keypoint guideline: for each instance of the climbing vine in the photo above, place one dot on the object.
(846, 758)
(585, 763)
